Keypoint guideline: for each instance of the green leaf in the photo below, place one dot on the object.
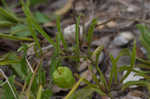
(144, 38)
(58, 43)
(41, 77)
(113, 73)
(20, 30)
(99, 91)
(60, 33)
(34, 87)
(30, 24)
(145, 64)
(133, 55)
(94, 77)
(46, 94)
(15, 62)
(34, 2)
(91, 30)
(11, 37)
(41, 18)
(34, 22)
(124, 52)
(34, 35)
(8, 15)
(132, 63)
(124, 68)
(1, 82)
(8, 94)
(146, 46)
(96, 53)
(4, 3)
(131, 83)
(143, 61)
(145, 33)
(142, 73)
(39, 94)
(84, 93)
(77, 33)
(5, 23)
(7, 62)
(89, 36)
(55, 62)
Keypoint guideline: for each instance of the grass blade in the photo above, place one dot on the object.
(113, 73)
(90, 33)
(133, 59)
(74, 88)
(77, 34)
(33, 33)
(8, 15)
(10, 82)
(114, 70)
(96, 53)
(60, 33)
(58, 39)
(35, 23)
(6, 23)
(130, 83)
(2, 35)
(39, 94)
(144, 38)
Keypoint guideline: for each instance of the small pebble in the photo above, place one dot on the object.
(123, 39)
(135, 94)
(132, 8)
(57, 89)
(87, 75)
(69, 32)
(84, 65)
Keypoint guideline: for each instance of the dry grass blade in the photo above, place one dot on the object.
(32, 78)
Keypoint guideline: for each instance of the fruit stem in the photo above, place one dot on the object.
(74, 88)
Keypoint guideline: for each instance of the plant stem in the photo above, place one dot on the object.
(74, 88)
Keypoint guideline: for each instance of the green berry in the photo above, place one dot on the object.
(63, 77)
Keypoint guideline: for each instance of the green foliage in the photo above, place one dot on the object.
(15, 62)
(97, 52)
(35, 82)
(77, 35)
(55, 62)
(34, 22)
(84, 93)
(7, 15)
(113, 73)
(145, 35)
(60, 34)
(8, 92)
(46, 93)
(11, 37)
(5, 23)
(91, 30)
(20, 30)
(89, 36)
(132, 63)
(41, 18)
(39, 94)
(139, 83)
(34, 2)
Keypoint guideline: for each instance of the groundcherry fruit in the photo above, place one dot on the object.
(63, 77)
